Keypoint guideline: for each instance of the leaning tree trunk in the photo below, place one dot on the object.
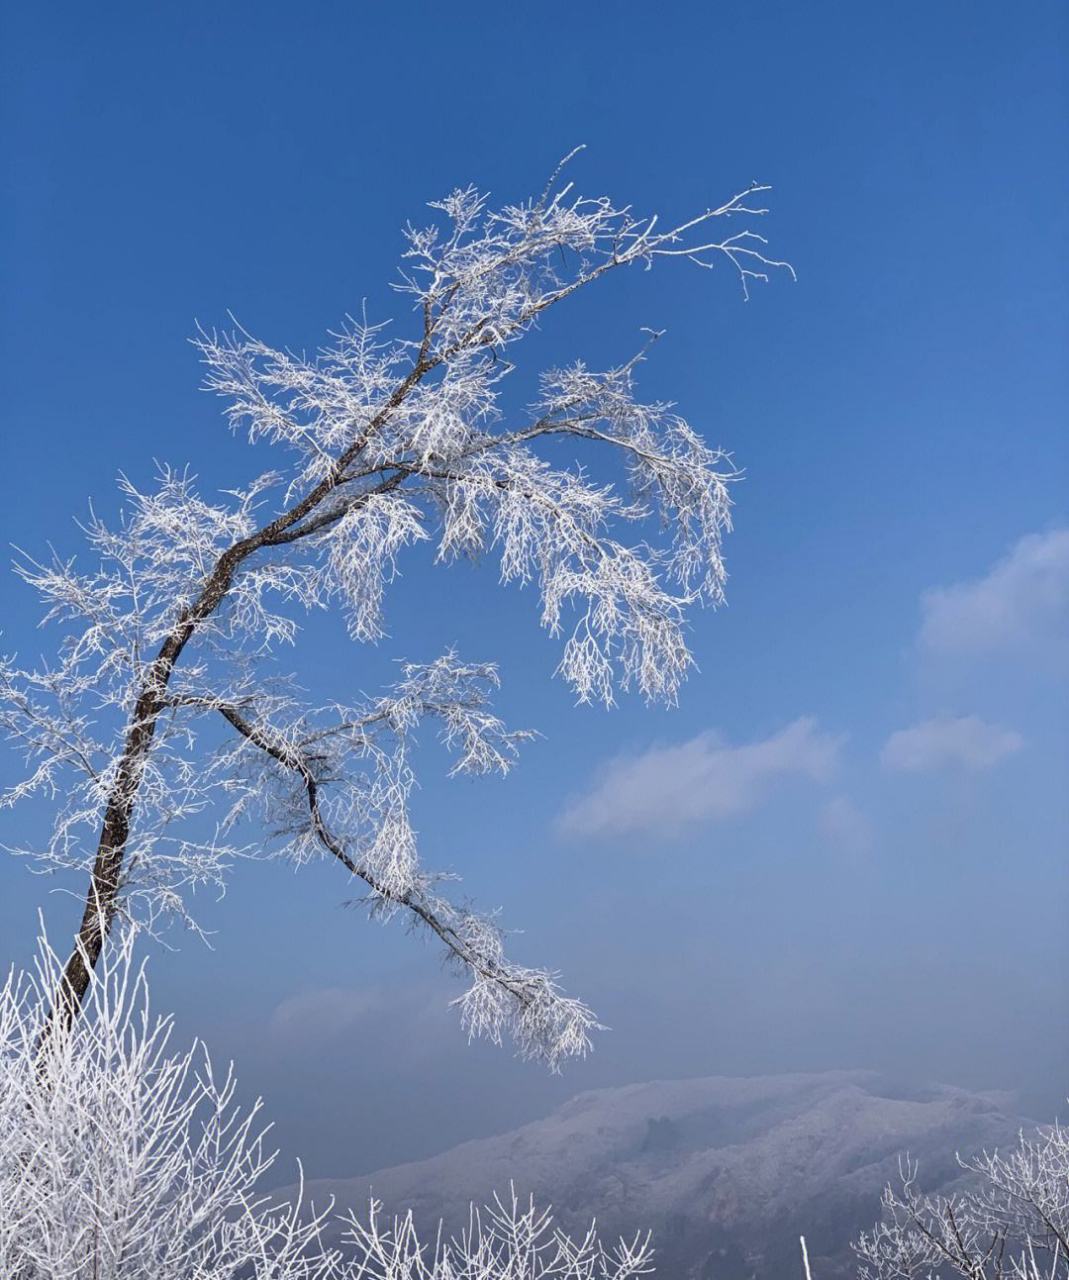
(106, 879)
(105, 882)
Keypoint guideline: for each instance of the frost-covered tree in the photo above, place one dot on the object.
(121, 1159)
(1012, 1223)
(388, 441)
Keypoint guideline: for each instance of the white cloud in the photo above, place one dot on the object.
(321, 1013)
(667, 788)
(966, 741)
(1022, 603)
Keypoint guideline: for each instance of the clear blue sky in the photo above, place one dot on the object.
(900, 414)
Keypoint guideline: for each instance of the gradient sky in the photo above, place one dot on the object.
(867, 864)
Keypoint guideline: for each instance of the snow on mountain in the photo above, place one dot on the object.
(728, 1172)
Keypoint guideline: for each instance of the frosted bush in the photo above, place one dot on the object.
(124, 1159)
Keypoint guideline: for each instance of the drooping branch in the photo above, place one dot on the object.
(544, 1022)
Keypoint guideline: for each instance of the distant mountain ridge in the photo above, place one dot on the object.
(727, 1171)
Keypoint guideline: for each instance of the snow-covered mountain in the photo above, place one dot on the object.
(728, 1172)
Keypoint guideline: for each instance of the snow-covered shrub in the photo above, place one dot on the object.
(124, 1159)
(121, 1159)
(1012, 1223)
(506, 1240)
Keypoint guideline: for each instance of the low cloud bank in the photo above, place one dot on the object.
(669, 788)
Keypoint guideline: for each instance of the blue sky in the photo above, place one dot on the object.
(873, 873)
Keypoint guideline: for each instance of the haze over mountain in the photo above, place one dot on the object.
(726, 1171)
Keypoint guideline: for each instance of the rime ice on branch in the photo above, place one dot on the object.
(389, 441)
(1011, 1222)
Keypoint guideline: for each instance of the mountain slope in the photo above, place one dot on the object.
(726, 1171)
